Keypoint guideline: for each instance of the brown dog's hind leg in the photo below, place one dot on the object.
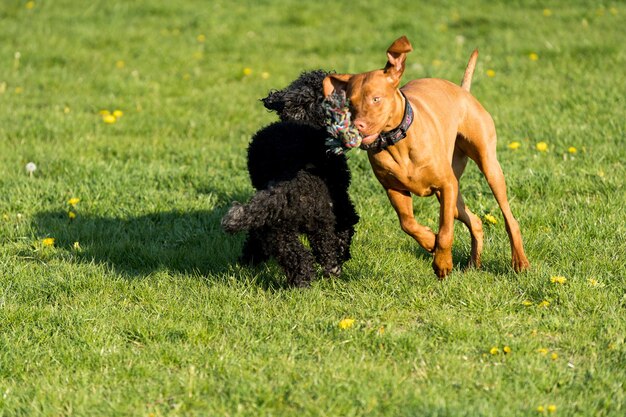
(490, 167)
(463, 214)
(402, 202)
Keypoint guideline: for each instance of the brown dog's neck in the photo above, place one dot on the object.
(397, 113)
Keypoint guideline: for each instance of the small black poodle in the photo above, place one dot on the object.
(302, 189)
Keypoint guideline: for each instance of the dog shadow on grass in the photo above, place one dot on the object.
(191, 243)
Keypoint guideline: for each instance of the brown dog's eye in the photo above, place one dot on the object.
(376, 99)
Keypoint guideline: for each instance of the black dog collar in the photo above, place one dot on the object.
(392, 137)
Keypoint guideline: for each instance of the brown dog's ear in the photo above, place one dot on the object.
(396, 56)
(335, 82)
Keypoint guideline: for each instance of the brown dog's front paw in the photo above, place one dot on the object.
(520, 263)
(442, 263)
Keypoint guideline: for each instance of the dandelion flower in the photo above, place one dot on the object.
(551, 408)
(554, 356)
(491, 219)
(247, 71)
(18, 90)
(117, 113)
(494, 350)
(104, 112)
(71, 215)
(540, 409)
(120, 64)
(49, 241)
(381, 330)
(66, 110)
(109, 119)
(544, 304)
(346, 323)
(514, 145)
(593, 282)
(558, 280)
(265, 75)
(73, 201)
(572, 149)
(543, 351)
(507, 349)
(30, 168)
(201, 38)
(30, 5)
(547, 12)
(527, 303)
(541, 146)
(533, 56)
(491, 73)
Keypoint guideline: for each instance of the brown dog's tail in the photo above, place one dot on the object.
(469, 71)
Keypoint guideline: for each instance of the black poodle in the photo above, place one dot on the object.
(302, 189)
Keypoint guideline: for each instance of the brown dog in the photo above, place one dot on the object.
(418, 139)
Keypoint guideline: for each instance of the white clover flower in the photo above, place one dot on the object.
(30, 168)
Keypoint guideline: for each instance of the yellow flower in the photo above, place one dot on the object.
(30, 4)
(247, 71)
(49, 241)
(507, 349)
(73, 201)
(109, 119)
(558, 280)
(614, 11)
(552, 408)
(118, 113)
(71, 215)
(265, 75)
(527, 303)
(201, 38)
(543, 351)
(571, 149)
(533, 56)
(76, 246)
(437, 62)
(346, 323)
(491, 219)
(544, 303)
(381, 330)
(541, 409)
(494, 350)
(104, 112)
(554, 356)
(18, 90)
(547, 12)
(66, 110)
(120, 64)
(541, 146)
(491, 73)
(514, 145)
(593, 282)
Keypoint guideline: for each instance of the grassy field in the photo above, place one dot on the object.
(138, 307)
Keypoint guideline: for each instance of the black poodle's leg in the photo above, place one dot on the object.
(326, 247)
(253, 252)
(345, 242)
(294, 258)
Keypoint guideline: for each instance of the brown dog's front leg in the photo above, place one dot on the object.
(402, 202)
(442, 263)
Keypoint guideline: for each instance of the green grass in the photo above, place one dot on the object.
(152, 316)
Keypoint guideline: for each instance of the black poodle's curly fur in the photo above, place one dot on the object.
(302, 189)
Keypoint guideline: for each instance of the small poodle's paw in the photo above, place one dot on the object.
(334, 271)
(232, 219)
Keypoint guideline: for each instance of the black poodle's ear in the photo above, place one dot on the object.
(275, 101)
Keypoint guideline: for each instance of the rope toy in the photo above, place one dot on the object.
(343, 135)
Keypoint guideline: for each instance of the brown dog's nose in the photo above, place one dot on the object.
(360, 124)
